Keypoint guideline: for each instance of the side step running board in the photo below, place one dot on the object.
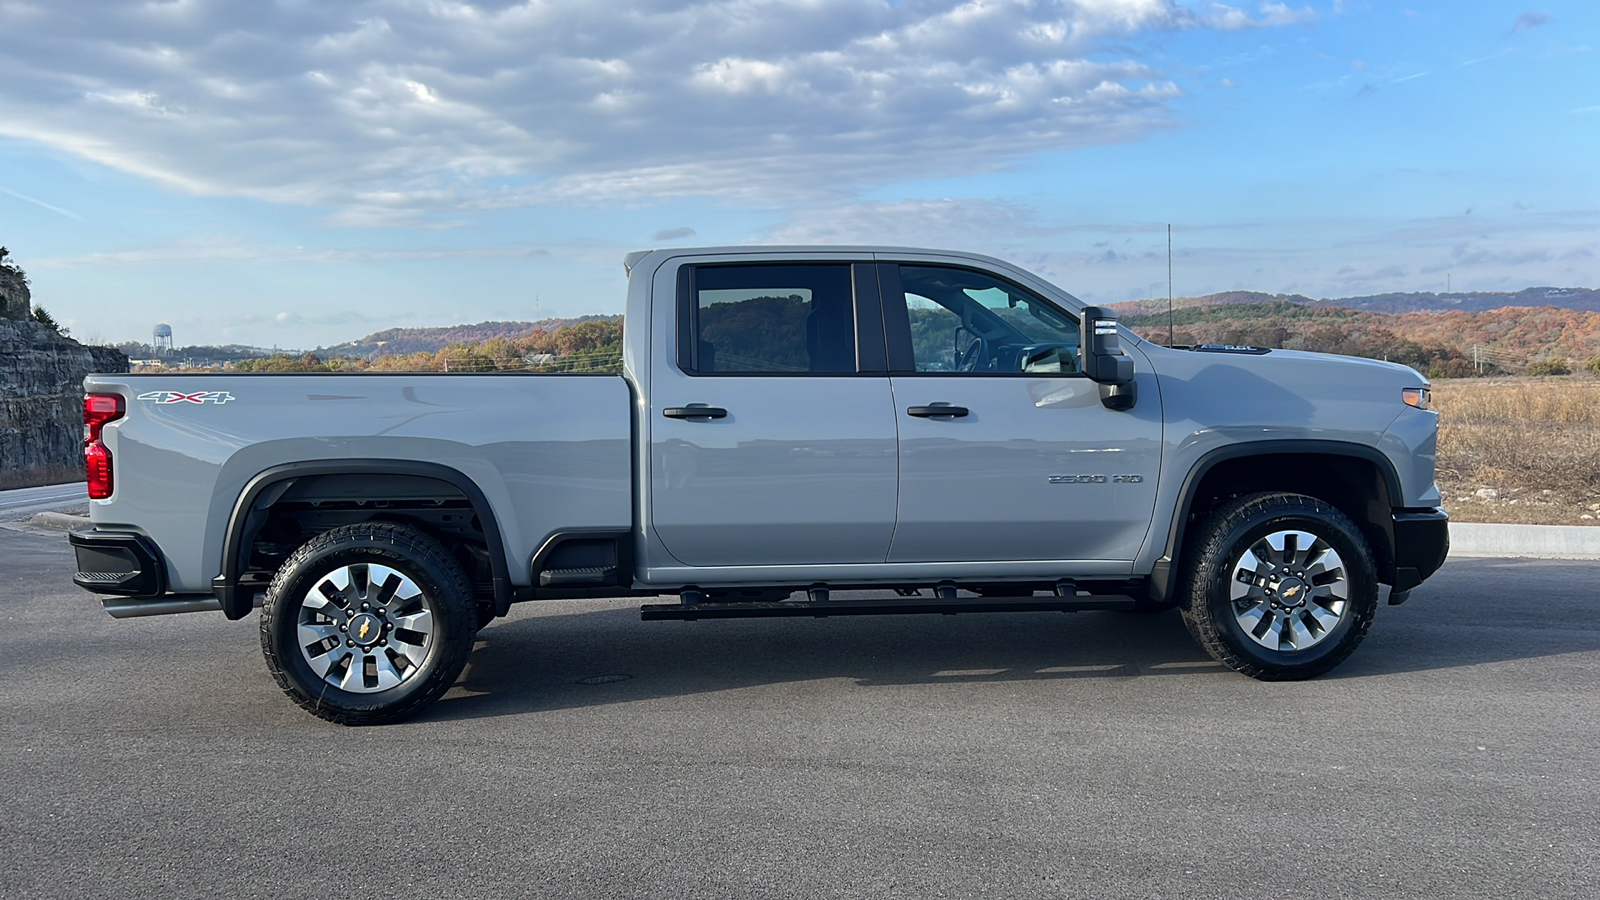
(706, 610)
(592, 575)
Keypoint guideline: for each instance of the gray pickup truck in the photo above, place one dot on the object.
(788, 422)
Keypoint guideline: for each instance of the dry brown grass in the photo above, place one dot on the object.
(1520, 450)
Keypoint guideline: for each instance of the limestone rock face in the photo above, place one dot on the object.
(41, 401)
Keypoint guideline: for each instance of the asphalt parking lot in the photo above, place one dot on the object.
(587, 754)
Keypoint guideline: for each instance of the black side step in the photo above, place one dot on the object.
(588, 575)
(752, 610)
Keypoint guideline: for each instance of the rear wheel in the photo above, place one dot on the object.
(1279, 586)
(368, 624)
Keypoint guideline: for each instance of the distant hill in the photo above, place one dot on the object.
(1577, 298)
(396, 341)
(1582, 299)
(1431, 332)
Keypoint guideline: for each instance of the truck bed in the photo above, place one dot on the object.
(553, 450)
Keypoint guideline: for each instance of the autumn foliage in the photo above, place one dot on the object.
(1440, 344)
(594, 346)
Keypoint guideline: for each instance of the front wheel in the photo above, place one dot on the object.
(368, 624)
(1279, 586)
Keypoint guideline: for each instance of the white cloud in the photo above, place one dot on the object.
(1231, 18)
(918, 223)
(227, 248)
(409, 111)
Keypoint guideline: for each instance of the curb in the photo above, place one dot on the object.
(58, 521)
(1474, 539)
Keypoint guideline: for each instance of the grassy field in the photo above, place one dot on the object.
(1520, 449)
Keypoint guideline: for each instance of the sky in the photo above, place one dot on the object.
(299, 173)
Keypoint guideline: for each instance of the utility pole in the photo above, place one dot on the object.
(1169, 284)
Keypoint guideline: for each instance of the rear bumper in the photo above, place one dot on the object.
(129, 566)
(1421, 542)
(121, 562)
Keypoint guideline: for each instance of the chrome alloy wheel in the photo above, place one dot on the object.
(1289, 590)
(365, 628)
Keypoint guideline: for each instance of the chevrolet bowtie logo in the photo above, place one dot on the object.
(1287, 593)
(364, 627)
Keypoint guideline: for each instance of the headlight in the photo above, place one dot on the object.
(1421, 398)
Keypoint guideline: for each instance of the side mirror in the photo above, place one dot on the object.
(1100, 357)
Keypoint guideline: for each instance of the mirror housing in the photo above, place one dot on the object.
(1100, 353)
(1100, 357)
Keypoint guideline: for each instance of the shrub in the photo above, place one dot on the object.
(1555, 365)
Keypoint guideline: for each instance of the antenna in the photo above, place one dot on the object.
(1169, 284)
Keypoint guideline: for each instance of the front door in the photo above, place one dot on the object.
(772, 428)
(1006, 452)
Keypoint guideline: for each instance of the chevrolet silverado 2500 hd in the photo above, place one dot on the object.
(787, 422)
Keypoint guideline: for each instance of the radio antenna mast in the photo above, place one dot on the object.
(1169, 284)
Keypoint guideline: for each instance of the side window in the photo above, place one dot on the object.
(966, 321)
(771, 319)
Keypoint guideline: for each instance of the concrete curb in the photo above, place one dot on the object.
(58, 521)
(1525, 541)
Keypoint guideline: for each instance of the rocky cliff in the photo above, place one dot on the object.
(41, 402)
(15, 299)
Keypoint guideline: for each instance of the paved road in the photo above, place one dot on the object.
(588, 754)
(24, 502)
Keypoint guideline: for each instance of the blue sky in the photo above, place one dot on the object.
(300, 173)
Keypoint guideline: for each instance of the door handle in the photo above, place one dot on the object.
(695, 412)
(937, 411)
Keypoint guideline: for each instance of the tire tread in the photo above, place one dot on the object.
(453, 603)
(1213, 539)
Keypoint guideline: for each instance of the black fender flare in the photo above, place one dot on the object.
(1164, 573)
(270, 483)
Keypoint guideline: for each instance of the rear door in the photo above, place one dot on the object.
(772, 427)
(1006, 452)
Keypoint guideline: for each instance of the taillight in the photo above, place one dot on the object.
(98, 409)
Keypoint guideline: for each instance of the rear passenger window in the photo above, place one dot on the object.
(771, 319)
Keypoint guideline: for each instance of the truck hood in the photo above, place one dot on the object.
(1294, 364)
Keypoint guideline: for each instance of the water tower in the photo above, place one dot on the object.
(161, 340)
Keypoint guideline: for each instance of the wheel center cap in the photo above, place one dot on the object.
(1292, 592)
(366, 629)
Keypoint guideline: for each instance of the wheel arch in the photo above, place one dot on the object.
(252, 507)
(1356, 479)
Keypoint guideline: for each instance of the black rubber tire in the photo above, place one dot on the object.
(403, 548)
(1218, 543)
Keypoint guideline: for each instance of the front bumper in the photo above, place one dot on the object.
(1421, 542)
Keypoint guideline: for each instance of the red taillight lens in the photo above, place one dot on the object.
(97, 462)
(98, 409)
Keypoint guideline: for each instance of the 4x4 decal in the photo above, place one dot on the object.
(165, 397)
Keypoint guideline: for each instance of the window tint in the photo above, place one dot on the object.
(965, 321)
(773, 319)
